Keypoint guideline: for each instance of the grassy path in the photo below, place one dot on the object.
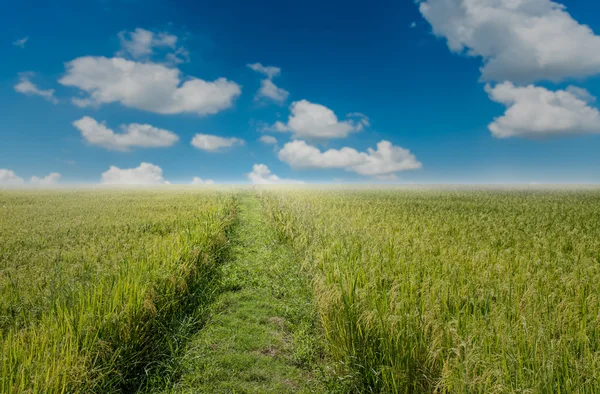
(262, 336)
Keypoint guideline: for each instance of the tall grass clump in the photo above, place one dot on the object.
(453, 291)
(93, 284)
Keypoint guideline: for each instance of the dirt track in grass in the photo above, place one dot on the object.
(262, 336)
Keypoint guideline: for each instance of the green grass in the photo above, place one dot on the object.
(262, 335)
(458, 291)
(96, 285)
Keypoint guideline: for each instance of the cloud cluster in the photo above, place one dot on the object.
(267, 88)
(50, 179)
(214, 143)
(199, 181)
(144, 174)
(268, 140)
(135, 80)
(146, 86)
(536, 112)
(268, 71)
(25, 86)
(9, 178)
(315, 121)
(519, 40)
(132, 135)
(385, 160)
(141, 43)
(262, 175)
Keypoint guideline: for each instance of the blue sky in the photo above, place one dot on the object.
(438, 91)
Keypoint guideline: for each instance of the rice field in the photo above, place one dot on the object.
(453, 291)
(94, 284)
(408, 290)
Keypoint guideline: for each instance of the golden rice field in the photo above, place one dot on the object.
(415, 290)
(454, 291)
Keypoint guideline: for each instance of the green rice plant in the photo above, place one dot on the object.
(94, 284)
(453, 290)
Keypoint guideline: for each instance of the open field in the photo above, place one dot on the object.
(454, 291)
(95, 285)
(300, 290)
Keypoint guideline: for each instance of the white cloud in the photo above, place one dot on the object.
(519, 40)
(267, 88)
(268, 140)
(21, 42)
(413, 25)
(214, 143)
(385, 160)
(315, 121)
(581, 94)
(299, 154)
(262, 175)
(137, 43)
(538, 112)
(200, 181)
(180, 55)
(140, 44)
(50, 179)
(9, 178)
(269, 71)
(144, 174)
(25, 86)
(146, 86)
(132, 135)
(361, 118)
(271, 91)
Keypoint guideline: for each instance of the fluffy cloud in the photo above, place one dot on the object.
(21, 42)
(9, 178)
(315, 121)
(146, 86)
(386, 160)
(200, 181)
(268, 140)
(25, 86)
(271, 91)
(144, 174)
(538, 112)
(299, 154)
(519, 40)
(267, 88)
(213, 143)
(362, 118)
(269, 71)
(581, 94)
(132, 135)
(140, 44)
(262, 175)
(50, 179)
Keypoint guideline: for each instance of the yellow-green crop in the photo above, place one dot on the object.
(91, 281)
(457, 291)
